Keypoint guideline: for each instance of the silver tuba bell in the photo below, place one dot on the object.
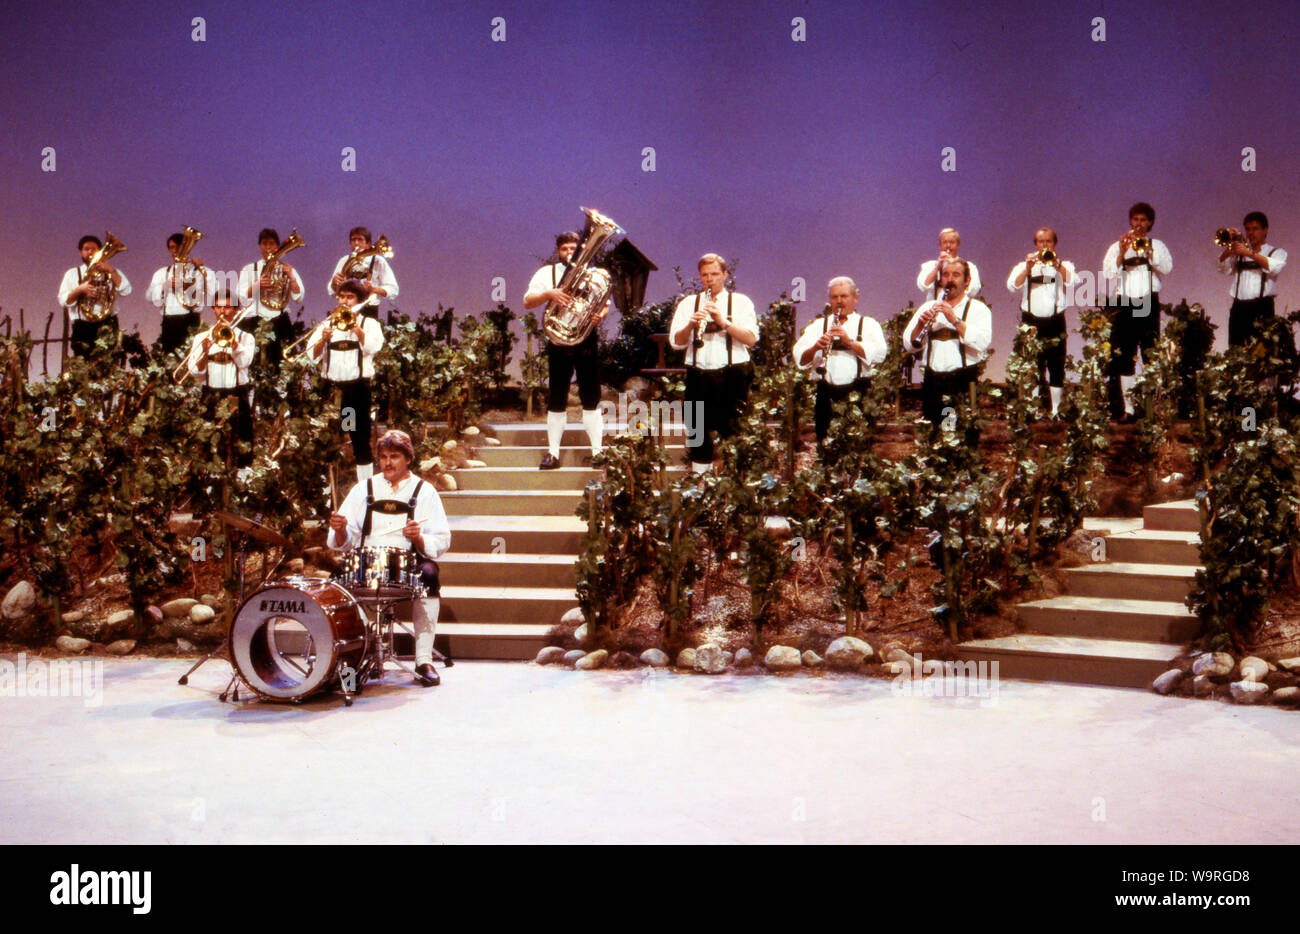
(587, 283)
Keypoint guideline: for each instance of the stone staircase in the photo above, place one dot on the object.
(514, 540)
(1123, 620)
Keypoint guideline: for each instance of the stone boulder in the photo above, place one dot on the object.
(572, 617)
(19, 601)
(1167, 681)
(120, 647)
(811, 659)
(744, 658)
(848, 652)
(591, 660)
(710, 659)
(202, 613)
(1248, 692)
(582, 634)
(71, 644)
(1253, 668)
(1214, 665)
(571, 657)
(550, 655)
(686, 658)
(655, 658)
(1287, 695)
(782, 658)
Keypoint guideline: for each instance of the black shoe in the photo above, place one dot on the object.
(549, 462)
(427, 675)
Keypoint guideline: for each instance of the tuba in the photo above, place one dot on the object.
(192, 285)
(586, 282)
(356, 267)
(99, 306)
(276, 295)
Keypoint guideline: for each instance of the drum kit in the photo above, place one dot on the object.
(296, 636)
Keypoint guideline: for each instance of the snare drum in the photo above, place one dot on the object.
(297, 636)
(385, 571)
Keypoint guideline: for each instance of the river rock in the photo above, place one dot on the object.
(201, 613)
(120, 647)
(1216, 665)
(429, 464)
(1288, 695)
(550, 655)
(179, 608)
(782, 658)
(1167, 681)
(449, 445)
(710, 659)
(572, 617)
(591, 660)
(86, 627)
(1253, 668)
(211, 600)
(1202, 686)
(778, 527)
(686, 658)
(582, 634)
(812, 660)
(744, 658)
(19, 601)
(475, 463)
(154, 613)
(655, 658)
(492, 442)
(1290, 664)
(75, 616)
(120, 618)
(184, 645)
(471, 432)
(446, 483)
(847, 652)
(71, 644)
(571, 657)
(1248, 692)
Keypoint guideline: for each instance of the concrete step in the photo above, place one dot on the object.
(511, 502)
(542, 605)
(1116, 663)
(548, 535)
(531, 478)
(1180, 516)
(529, 456)
(507, 570)
(1168, 582)
(533, 434)
(1153, 546)
(1106, 618)
(509, 641)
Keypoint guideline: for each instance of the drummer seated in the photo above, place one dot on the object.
(398, 509)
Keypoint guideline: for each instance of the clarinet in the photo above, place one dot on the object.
(703, 325)
(826, 326)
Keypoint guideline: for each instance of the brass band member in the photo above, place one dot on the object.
(927, 280)
(955, 333)
(378, 280)
(347, 359)
(1041, 281)
(77, 286)
(253, 281)
(220, 358)
(400, 509)
(182, 302)
(716, 327)
(564, 362)
(1133, 266)
(843, 346)
(1254, 266)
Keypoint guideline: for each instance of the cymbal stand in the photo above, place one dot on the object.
(223, 650)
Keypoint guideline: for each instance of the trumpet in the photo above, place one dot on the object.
(1227, 236)
(1047, 257)
(1141, 245)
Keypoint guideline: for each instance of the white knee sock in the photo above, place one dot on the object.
(424, 616)
(1126, 387)
(364, 472)
(591, 421)
(700, 468)
(1055, 392)
(555, 422)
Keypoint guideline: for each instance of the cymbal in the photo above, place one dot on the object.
(254, 528)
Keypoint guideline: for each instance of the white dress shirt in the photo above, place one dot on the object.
(386, 529)
(223, 373)
(1037, 298)
(1256, 282)
(381, 274)
(928, 266)
(73, 278)
(1140, 280)
(161, 294)
(250, 277)
(842, 365)
(343, 365)
(713, 355)
(946, 355)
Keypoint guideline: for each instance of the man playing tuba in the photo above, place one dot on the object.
(182, 290)
(345, 343)
(269, 293)
(372, 273)
(79, 293)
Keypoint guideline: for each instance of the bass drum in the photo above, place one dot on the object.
(297, 636)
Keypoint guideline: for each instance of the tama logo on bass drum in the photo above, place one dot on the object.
(282, 606)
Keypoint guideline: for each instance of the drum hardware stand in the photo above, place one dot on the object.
(223, 650)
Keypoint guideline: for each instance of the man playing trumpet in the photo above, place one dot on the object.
(955, 332)
(1254, 266)
(843, 346)
(78, 288)
(1041, 281)
(373, 274)
(1133, 267)
(182, 302)
(345, 343)
(927, 280)
(220, 357)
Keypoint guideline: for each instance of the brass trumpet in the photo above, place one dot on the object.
(1141, 245)
(1047, 257)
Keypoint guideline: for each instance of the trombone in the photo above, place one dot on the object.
(342, 318)
(223, 335)
(1227, 236)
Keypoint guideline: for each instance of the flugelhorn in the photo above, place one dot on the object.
(99, 304)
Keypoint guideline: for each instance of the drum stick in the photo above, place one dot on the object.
(334, 492)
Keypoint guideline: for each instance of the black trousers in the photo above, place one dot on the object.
(1132, 328)
(1051, 360)
(82, 338)
(356, 396)
(825, 397)
(562, 363)
(719, 396)
(243, 418)
(947, 389)
(176, 330)
(281, 335)
(1245, 317)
